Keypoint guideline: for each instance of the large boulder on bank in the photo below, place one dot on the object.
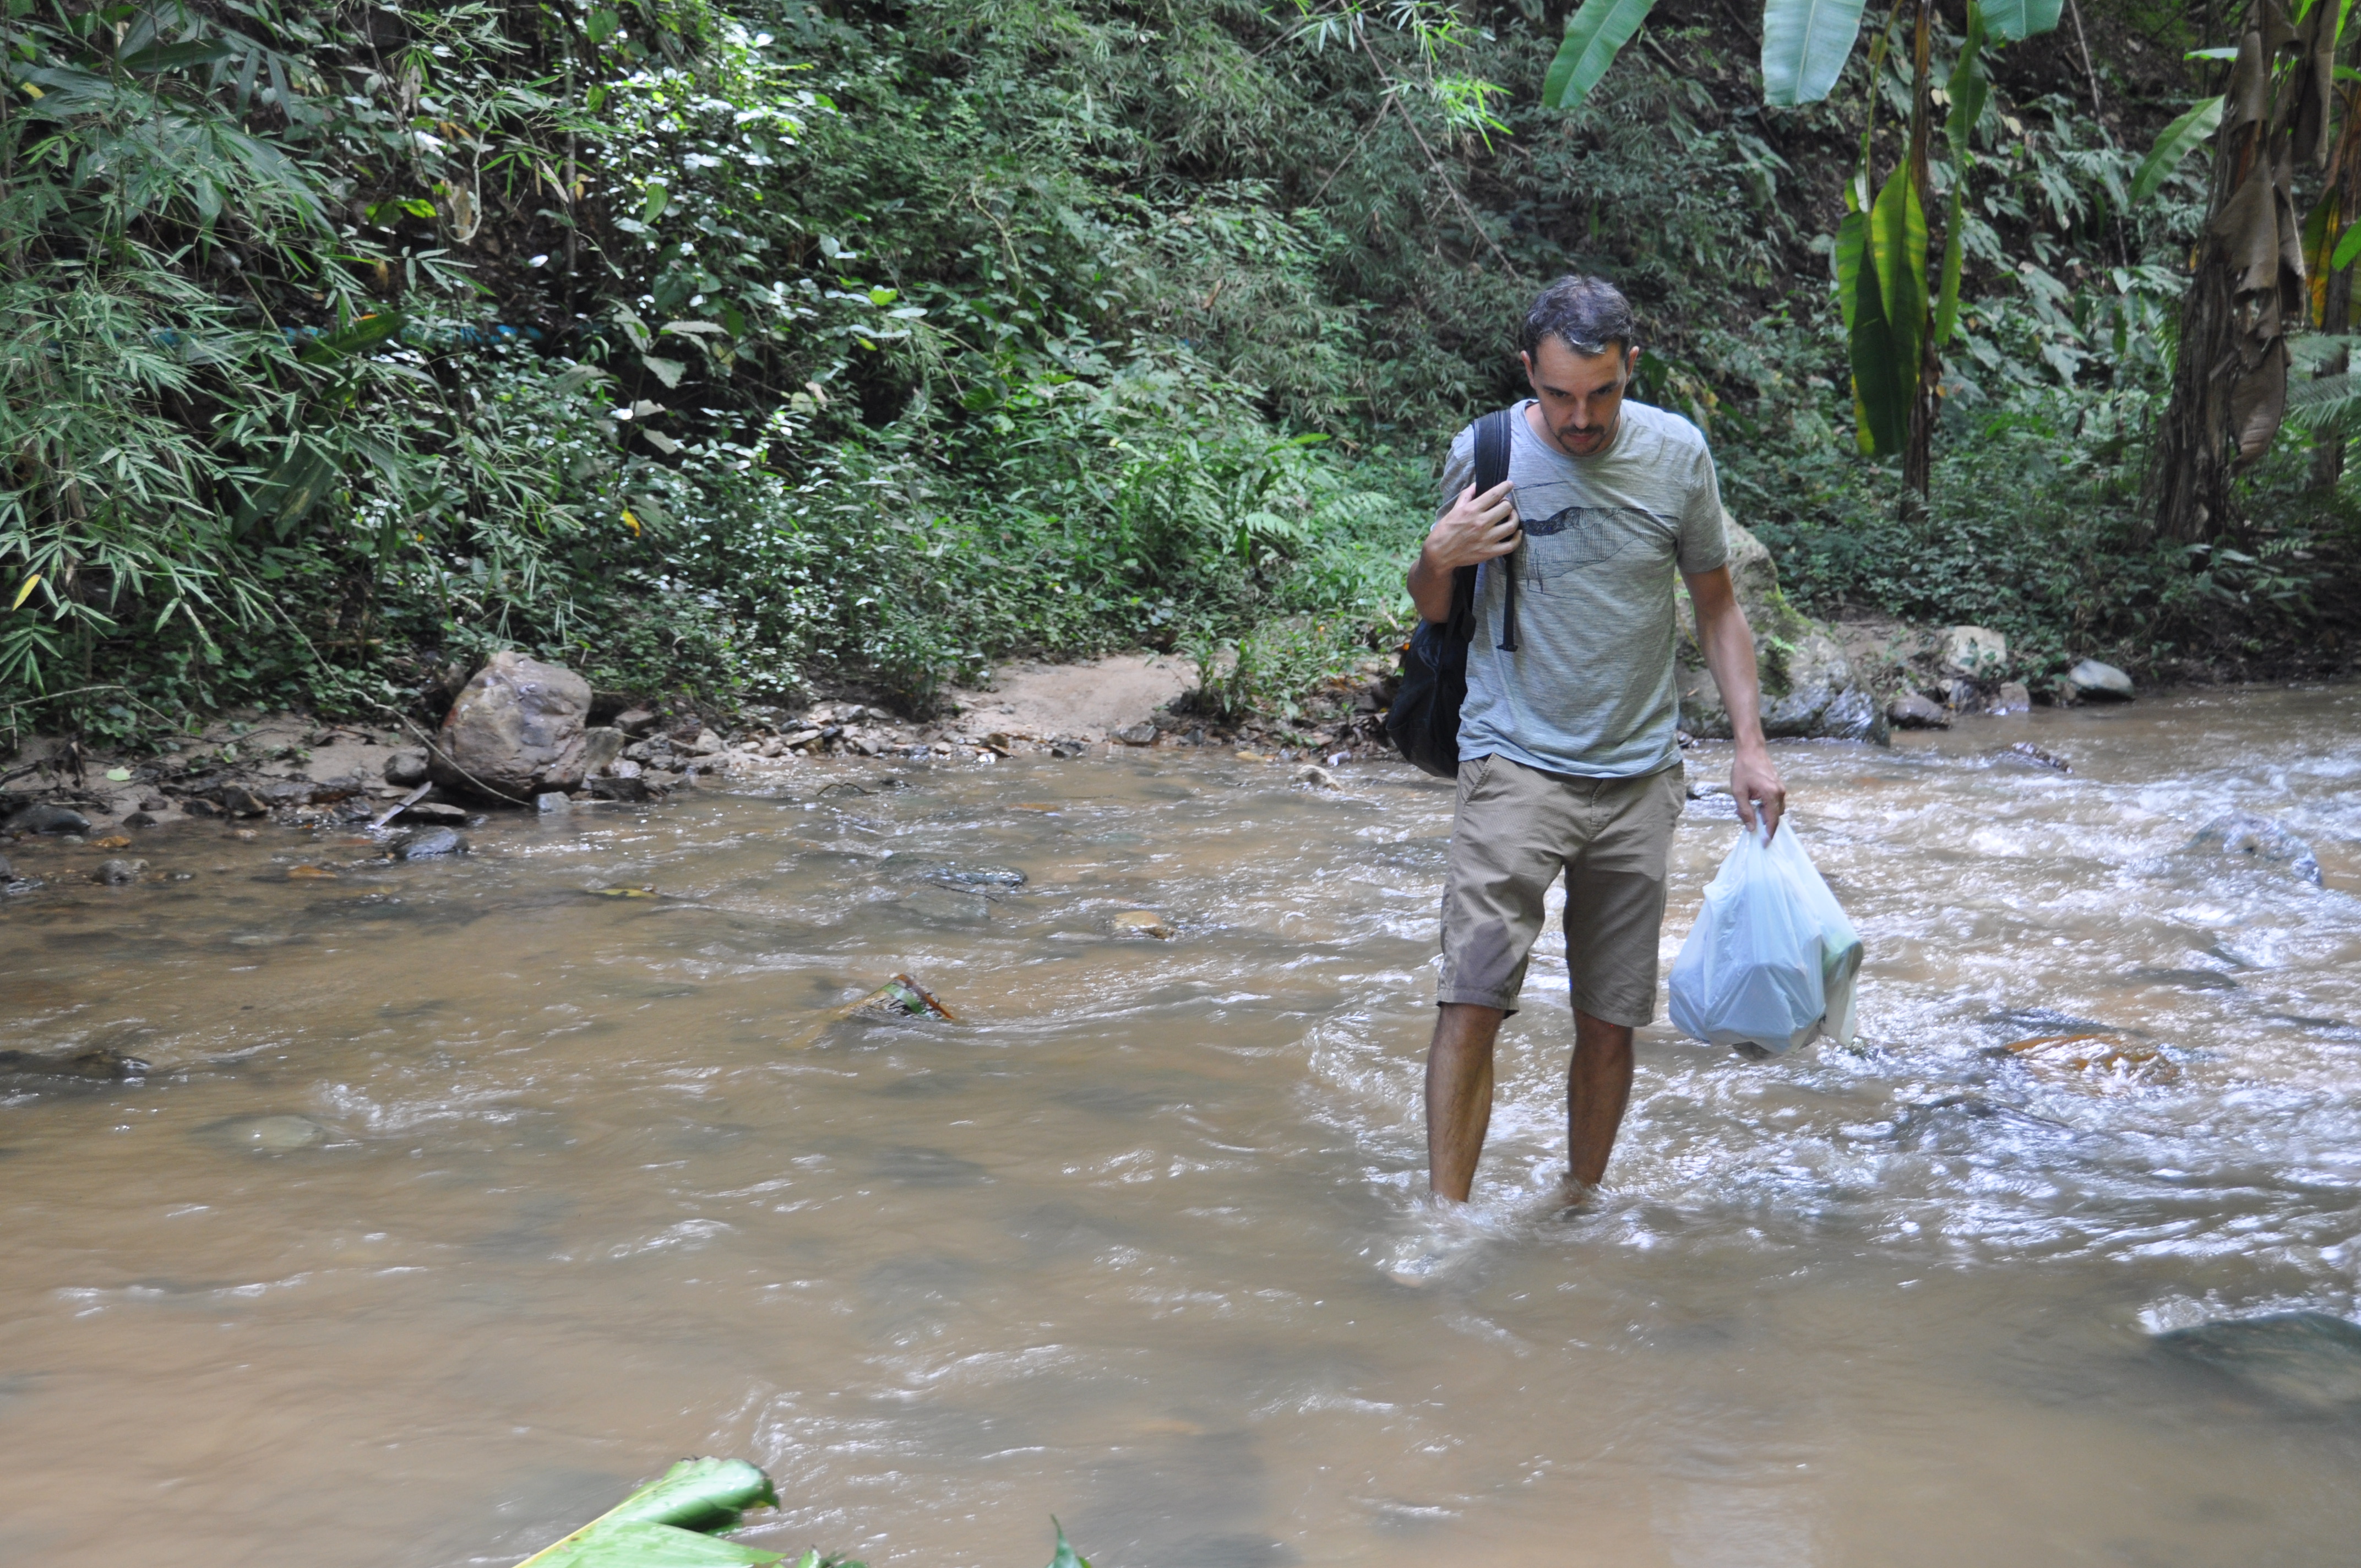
(1810, 687)
(516, 731)
(1975, 652)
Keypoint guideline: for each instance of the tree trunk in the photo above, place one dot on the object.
(1918, 455)
(2195, 450)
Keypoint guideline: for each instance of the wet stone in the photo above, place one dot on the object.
(1140, 734)
(46, 818)
(238, 800)
(2303, 1358)
(406, 769)
(1913, 711)
(1142, 923)
(119, 873)
(2103, 683)
(426, 844)
(140, 819)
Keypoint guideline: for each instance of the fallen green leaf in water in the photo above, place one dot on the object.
(120, 775)
(1067, 1556)
(671, 1522)
(620, 892)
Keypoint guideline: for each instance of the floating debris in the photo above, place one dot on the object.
(898, 998)
(648, 892)
(310, 873)
(2040, 758)
(112, 841)
(901, 997)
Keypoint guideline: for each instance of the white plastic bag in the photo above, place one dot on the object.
(1771, 959)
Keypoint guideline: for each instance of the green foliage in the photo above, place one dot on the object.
(1596, 33)
(1805, 45)
(718, 350)
(671, 1522)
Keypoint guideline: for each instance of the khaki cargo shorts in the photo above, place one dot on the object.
(1517, 828)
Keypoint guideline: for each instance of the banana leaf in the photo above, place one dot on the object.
(1805, 46)
(1897, 242)
(2011, 20)
(1595, 35)
(1880, 396)
(2177, 140)
(671, 1522)
(1968, 87)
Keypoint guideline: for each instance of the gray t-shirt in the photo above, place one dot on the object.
(1590, 690)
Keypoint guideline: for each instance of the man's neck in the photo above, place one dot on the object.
(1541, 427)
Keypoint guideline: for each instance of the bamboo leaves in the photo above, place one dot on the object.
(1805, 46)
(1595, 35)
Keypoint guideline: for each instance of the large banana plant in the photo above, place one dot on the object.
(2260, 273)
(1894, 321)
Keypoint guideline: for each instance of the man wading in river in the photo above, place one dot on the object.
(1567, 756)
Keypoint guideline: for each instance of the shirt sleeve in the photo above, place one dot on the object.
(1703, 543)
(1458, 468)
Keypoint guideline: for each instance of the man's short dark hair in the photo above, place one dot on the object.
(1589, 316)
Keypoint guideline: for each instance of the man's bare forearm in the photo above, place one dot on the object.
(1429, 589)
(1728, 649)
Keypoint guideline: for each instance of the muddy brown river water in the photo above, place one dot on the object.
(459, 1197)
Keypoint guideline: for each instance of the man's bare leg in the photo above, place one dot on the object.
(1597, 1087)
(1459, 1094)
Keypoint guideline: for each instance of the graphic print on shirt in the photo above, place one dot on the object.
(1578, 536)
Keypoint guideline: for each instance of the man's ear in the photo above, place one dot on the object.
(1631, 365)
(1529, 363)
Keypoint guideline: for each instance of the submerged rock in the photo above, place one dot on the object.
(2244, 833)
(1316, 777)
(271, 1134)
(46, 818)
(97, 1065)
(976, 876)
(2305, 1358)
(2026, 751)
(518, 729)
(119, 873)
(1142, 923)
(2104, 683)
(1810, 689)
(426, 844)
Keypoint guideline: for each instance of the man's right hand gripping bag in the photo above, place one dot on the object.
(1771, 959)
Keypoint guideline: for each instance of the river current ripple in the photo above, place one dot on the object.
(460, 1196)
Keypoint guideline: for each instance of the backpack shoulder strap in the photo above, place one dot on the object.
(1491, 467)
(1492, 439)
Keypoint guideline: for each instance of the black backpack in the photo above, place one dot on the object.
(1423, 723)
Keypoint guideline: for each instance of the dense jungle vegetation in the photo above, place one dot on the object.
(723, 348)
